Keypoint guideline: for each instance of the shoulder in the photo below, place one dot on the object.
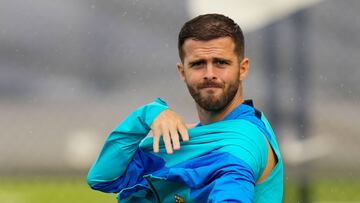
(248, 143)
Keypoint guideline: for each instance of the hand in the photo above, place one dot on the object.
(169, 125)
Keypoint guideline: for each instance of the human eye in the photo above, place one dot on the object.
(197, 64)
(221, 62)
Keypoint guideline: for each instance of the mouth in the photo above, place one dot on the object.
(210, 88)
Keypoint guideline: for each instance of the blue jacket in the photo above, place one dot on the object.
(221, 163)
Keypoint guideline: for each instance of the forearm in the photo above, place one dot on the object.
(122, 143)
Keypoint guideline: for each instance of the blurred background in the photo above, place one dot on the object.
(70, 71)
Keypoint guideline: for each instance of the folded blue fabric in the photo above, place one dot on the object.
(221, 163)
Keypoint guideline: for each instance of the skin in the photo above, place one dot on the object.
(212, 62)
(169, 125)
(212, 71)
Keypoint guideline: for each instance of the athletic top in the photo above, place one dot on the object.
(221, 162)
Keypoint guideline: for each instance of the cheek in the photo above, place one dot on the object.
(233, 75)
(192, 78)
(191, 83)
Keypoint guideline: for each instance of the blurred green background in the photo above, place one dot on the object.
(75, 190)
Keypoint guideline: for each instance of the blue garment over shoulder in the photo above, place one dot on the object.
(221, 162)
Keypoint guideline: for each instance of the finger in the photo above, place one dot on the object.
(175, 139)
(156, 140)
(183, 132)
(167, 141)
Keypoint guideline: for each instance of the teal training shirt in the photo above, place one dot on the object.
(272, 188)
(221, 162)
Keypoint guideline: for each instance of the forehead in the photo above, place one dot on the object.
(220, 47)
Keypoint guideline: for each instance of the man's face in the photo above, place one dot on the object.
(212, 72)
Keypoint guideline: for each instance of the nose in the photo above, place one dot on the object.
(209, 74)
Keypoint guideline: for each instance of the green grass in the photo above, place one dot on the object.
(326, 190)
(75, 190)
(338, 190)
(50, 190)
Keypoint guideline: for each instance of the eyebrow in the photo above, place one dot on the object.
(216, 59)
(191, 63)
(222, 59)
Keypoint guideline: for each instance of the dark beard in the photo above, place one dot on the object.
(211, 103)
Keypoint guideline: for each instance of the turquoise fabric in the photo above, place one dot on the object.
(225, 136)
(272, 186)
(239, 137)
(121, 144)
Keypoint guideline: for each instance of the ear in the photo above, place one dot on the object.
(180, 69)
(244, 68)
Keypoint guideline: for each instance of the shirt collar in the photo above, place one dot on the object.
(244, 109)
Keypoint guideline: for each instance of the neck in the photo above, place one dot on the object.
(208, 117)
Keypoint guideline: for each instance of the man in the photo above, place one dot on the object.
(230, 156)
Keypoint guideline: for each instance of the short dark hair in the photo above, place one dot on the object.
(211, 26)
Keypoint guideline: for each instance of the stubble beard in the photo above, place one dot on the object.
(212, 102)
